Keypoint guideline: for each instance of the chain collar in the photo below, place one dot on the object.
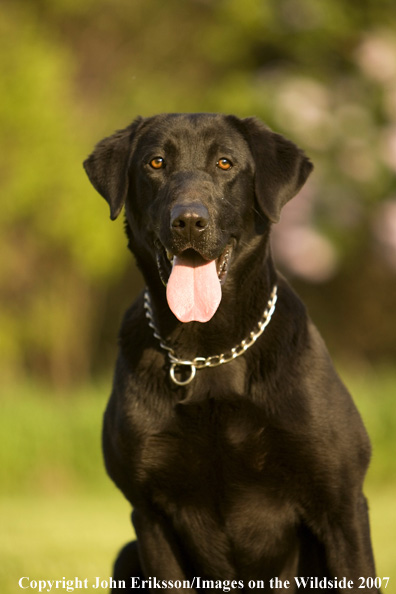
(214, 360)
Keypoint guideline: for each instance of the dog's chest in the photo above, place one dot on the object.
(200, 451)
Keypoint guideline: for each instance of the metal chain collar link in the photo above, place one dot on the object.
(214, 360)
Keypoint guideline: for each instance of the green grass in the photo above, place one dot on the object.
(62, 517)
(383, 529)
(49, 538)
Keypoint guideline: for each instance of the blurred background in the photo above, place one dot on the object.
(71, 72)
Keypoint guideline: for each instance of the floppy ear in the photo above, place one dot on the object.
(107, 167)
(281, 167)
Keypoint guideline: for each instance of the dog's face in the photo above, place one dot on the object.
(197, 188)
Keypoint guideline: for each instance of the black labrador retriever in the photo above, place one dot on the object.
(228, 429)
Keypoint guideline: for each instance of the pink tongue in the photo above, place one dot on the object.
(193, 290)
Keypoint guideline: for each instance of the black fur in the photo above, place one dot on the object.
(255, 469)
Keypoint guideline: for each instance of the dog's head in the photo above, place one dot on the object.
(197, 187)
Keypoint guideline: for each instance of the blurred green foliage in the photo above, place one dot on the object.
(71, 72)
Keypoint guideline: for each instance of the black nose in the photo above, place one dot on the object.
(189, 220)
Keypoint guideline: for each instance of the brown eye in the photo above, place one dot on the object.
(224, 164)
(157, 163)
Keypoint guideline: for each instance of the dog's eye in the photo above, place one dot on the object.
(224, 164)
(157, 163)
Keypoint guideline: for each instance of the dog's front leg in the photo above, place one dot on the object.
(160, 553)
(346, 539)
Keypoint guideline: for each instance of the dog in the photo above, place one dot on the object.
(228, 429)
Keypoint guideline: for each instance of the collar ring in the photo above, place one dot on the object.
(172, 370)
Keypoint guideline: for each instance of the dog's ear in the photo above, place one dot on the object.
(108, 166)
(281, 167)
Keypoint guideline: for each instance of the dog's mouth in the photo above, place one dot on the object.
(193, 282)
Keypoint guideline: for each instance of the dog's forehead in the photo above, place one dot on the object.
(192, 131)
